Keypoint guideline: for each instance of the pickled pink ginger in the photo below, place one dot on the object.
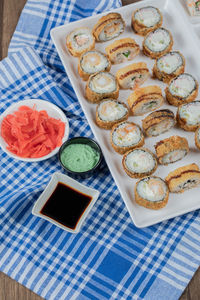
(30, 133)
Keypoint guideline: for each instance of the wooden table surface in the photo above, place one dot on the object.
(9, 289)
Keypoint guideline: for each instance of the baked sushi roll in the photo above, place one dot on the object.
(169, 66)
(188, 116)
(182, 89)
(157, 42)
(80, 40)
(146, 99)
(132, 76)
(146, 19)
(91, 62)
(139, 162)
(100, 86)
(122, 50)
(126, 136)
(183, 178)
(171, 149)
(197, 138)
(108, 27)
(158, 122)
(151, 192)
(109, 112)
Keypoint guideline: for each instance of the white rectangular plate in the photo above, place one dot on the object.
(185, 40)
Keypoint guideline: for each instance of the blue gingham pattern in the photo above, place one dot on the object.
(110, 258)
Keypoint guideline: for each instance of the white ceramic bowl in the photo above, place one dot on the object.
(62, 178)
(52, 110)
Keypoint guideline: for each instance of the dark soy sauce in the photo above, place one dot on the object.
(66, 205)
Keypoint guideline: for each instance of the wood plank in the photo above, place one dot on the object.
(9, 289)
(11, 13)
(194, 286)
(2, 286)
(12, 290)
(1, 27)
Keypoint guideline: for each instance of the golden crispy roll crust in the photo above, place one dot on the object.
(109, 124)
(197, 140)
(181, 175)
(130, 71)
(176, 101)
(157, 54)
(156, 118)
(103, 21)
(150, 204)
(76, 52)
(182, 122)
(140, 28)
(138, 175)
(144, 95)
(170, 144)
(122, 150)
(85, 76)
(95, 97)
(165, 77)
(120, 46)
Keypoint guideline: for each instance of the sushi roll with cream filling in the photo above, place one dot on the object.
(108, 27)
(132, 76)
(92, 62)
(188, 116)
(151, 192)
(169, 66)
(171, 149)
(126, 136)
(158, 122)
(157, 42)
(139, 162)
(183, 178)
(100, 86)
(80, 40)
(197, 138)
(182, 89)
(122, 50)
(146, 19)
(109, 112)
(146, 99)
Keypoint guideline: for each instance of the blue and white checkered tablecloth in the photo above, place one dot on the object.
(110, 258)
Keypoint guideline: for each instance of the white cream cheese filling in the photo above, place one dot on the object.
(152, 189)
(103, 82)
(111, 110)
(93, 62)
(148, 16)
(173, 156)
(169, 62)
(81, 38)
(190, 112)
(182, 86)
(158, 40)
(126, 134)
(140, 161)
(111, 30)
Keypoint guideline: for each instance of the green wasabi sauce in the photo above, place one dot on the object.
(79, 157)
